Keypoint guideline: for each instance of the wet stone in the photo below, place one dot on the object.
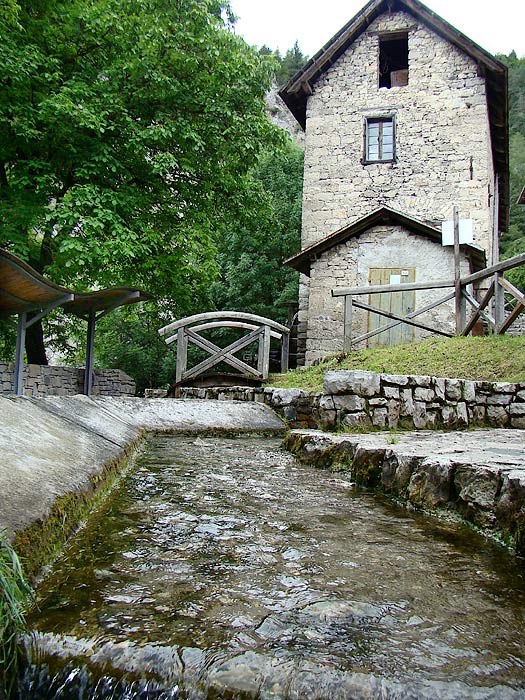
(224, 568)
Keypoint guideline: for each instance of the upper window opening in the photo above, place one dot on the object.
(393, 61)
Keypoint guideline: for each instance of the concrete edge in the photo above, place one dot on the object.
(96, 440)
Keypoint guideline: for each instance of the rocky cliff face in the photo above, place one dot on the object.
(280, 115)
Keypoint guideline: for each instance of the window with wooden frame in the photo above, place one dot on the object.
(379, 140)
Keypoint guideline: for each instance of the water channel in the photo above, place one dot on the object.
(223, 568)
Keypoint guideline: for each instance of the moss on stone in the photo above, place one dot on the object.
(38, 544)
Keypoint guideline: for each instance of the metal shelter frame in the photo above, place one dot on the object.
(23, 291)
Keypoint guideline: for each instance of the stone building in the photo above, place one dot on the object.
(404, 118)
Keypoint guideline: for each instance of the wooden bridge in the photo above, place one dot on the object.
(259, 329)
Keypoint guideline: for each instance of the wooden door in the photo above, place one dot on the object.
(399, 303)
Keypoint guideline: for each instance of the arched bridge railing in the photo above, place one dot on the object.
(259, 329)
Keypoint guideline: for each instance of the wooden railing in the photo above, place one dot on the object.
(259, 329)
(493, 314)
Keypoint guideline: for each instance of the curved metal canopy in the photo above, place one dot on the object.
(24, 290)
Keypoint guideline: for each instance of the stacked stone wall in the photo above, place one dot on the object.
(443, 150)
(41, 380)
(443, 154)
(349, 264)
(357, 400)
(518, 327)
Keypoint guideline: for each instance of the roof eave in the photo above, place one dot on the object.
(302, 261)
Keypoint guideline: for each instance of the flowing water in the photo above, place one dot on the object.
(223, 568)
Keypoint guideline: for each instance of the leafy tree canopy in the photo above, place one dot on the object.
(513, 242)
(127, 128)
(287, 65)
(252, 276)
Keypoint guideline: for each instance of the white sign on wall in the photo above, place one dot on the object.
(466, 232)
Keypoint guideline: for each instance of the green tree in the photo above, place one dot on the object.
(252, 277)
(127, 128)
(513, 242)
(293, 61)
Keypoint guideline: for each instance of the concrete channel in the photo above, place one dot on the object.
(59, 454)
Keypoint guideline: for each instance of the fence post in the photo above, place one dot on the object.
(264, 345)
(347, 332)
(499, 302)
(285, 352)
(457, 274)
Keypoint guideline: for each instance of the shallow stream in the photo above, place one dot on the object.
(224, 568)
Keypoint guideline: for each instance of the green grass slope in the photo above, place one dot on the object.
(492, 358)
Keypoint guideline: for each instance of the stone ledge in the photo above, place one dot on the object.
(479, 474)
(358, 399)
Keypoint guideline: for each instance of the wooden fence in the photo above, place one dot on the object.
(499, 307)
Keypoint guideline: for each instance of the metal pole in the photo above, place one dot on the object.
(88, 373)
(19, 353)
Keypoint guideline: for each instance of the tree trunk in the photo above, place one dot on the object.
(35, 348)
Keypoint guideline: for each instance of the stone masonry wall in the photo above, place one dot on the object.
(443, 153)
(41, 380)
(348, 265)
(365, 400)
(442, 136)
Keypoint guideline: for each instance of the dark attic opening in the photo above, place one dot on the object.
(393, 61)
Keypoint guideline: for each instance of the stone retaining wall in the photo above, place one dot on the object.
(363, 400)
(42, 380)
(478, 475)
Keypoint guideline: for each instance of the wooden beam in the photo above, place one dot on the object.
(226, 324)
(285, 352)
(412, 314)
(483, 303)
(519, 308)
(381, 288)
(502, 266)
(511, 289)
(403, 319)
(510, 320)
(509, 264)
(182, 354)
(457, 273)
(266, 353)
(347, 327)
(222, 315)
(479, 310)
(213, 349)
(222, 354)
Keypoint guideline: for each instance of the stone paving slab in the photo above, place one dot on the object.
(192, 415)
(479, 474)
